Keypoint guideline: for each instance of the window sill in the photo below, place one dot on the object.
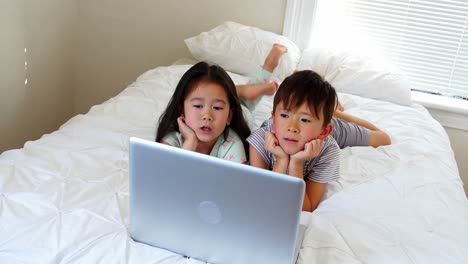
(450, 112)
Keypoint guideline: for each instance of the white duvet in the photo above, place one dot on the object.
(64, 198)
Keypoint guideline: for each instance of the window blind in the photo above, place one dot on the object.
(426, 39)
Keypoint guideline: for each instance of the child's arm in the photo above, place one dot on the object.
(356, 120)
(256, 159)
(339, 106)
(314, 190)
(377, 136)
(272, 146)
(258, 156)
(190, 138)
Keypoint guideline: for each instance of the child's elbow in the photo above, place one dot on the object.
(308, 207)
(379, 138)
(385, 139)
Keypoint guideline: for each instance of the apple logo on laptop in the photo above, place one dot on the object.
(209, 212)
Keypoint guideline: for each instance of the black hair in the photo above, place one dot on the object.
(307, 87)
(203, 71)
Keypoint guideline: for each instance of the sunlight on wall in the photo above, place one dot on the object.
(334, 30)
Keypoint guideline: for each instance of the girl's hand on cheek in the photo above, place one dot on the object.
(272, 146)
(311, 150)
(187, 133)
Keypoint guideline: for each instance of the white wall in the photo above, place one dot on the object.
(12, 74)
(82, 52)
(458, 140)
(46, 29)
(120, 39)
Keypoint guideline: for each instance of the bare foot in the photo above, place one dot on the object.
(274, 56)
(253, 91)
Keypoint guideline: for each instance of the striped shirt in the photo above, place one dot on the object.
(323, 169)
(349, 134)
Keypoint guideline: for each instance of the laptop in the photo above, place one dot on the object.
(213, 210)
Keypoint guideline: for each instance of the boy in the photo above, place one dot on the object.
(296, 140)
(348, 130)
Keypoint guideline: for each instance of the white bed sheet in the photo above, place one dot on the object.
(64, 197)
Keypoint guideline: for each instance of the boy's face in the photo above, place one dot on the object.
(295, 128)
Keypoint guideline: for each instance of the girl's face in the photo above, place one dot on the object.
(207, 111)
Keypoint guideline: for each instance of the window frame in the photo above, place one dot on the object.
(297, 26)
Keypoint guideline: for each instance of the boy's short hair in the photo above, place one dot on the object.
(307, 87)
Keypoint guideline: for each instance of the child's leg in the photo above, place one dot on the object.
(260, 84)
(251, 93)
(272, 60)
(254, 91)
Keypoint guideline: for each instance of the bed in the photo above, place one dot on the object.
(65, 197)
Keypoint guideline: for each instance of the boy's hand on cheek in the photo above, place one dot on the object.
(311, 150)
(272, 146)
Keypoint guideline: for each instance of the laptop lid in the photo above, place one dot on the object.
(211, 209)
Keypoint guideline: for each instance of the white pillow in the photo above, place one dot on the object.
(356, 74)
(242, 49)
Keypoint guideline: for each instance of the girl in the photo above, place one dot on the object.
(205, 115)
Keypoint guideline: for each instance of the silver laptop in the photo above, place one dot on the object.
(211, 209)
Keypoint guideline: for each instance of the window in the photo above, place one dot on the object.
(426, 39)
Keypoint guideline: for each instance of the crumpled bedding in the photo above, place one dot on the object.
(64, 198)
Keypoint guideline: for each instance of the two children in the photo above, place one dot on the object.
(205, 115)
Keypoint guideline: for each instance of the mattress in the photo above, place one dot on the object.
(64, 198)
